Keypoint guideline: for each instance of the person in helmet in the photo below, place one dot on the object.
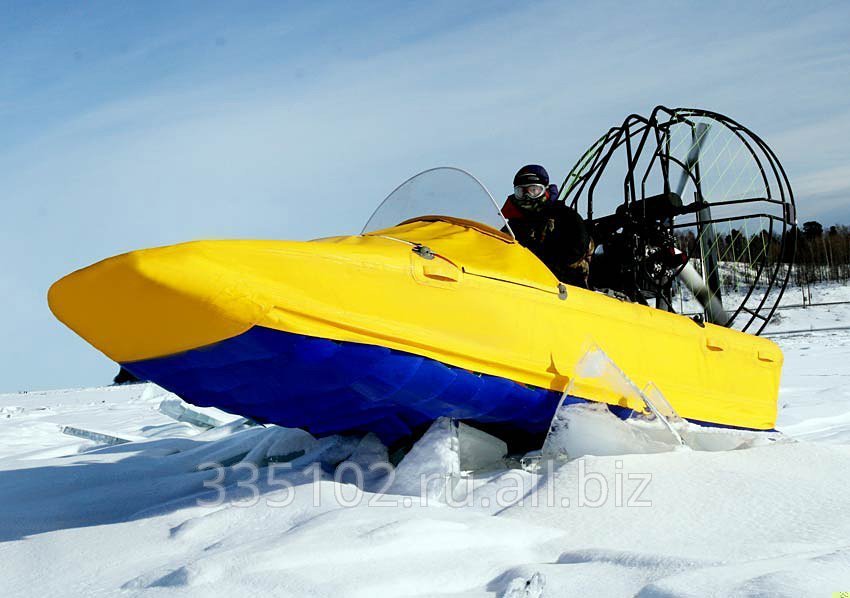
(553, 231)
(532, 192)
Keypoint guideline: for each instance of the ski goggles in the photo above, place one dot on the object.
(534, 191)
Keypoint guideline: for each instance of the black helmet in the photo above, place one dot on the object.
(530, 175)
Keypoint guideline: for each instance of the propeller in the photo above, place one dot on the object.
(706, 286)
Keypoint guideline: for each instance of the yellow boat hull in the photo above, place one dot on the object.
(444, 290)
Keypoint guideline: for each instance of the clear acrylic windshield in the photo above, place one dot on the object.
(443, 191)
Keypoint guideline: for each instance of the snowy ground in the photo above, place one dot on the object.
(82, 518)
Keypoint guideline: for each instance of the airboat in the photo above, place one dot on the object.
(434, 310)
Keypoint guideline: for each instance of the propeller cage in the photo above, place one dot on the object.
(697, 216)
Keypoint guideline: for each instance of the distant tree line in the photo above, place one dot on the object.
(821, 254)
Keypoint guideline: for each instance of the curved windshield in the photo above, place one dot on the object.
(444, 191)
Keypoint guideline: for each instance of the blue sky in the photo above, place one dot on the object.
(128, 125)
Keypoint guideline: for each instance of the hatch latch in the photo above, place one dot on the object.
(562, 291)
(423, 251)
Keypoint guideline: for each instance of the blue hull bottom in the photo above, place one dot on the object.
(329, 387)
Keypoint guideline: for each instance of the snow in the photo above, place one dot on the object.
(611, 509)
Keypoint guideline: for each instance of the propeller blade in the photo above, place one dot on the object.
(711, 302)
(700, 133)
(706, 289)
